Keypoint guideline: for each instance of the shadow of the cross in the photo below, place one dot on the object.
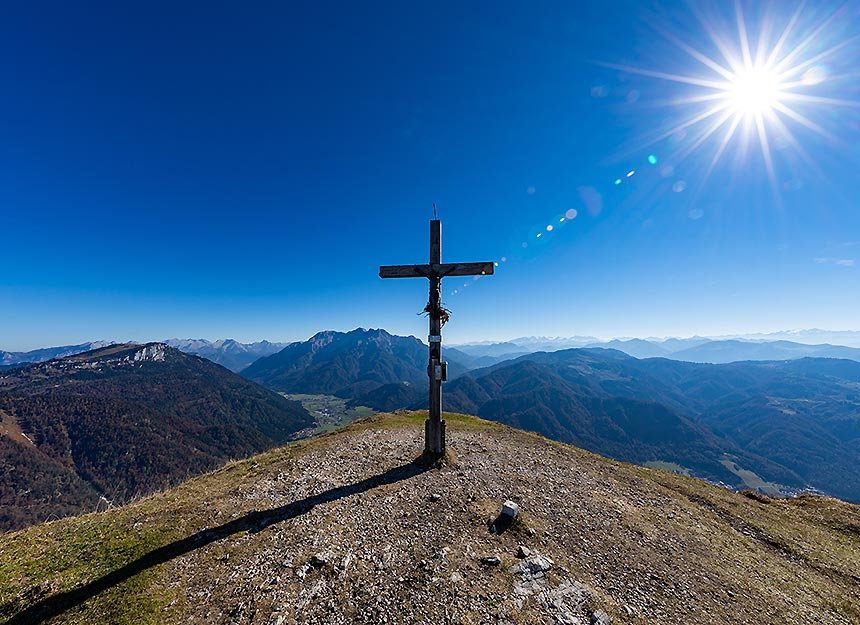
(255, 521)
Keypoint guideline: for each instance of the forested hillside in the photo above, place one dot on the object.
(123, 421)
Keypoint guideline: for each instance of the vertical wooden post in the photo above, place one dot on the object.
(434, 428)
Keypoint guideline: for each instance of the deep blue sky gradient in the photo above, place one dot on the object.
(241, 169)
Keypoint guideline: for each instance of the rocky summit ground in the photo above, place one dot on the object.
(347, 528)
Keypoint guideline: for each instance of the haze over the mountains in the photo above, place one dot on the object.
(227, 352)
(776, 346)
(784, 345)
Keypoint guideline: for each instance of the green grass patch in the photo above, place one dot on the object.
(752, 480)
(672, 467)
(330, 412)
(67, 554)
(416, 418)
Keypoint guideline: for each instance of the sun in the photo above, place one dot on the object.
(756, 87)
(754, 91)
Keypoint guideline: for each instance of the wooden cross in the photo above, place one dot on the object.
(434, 427)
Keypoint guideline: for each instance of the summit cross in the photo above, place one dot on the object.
(437, 371)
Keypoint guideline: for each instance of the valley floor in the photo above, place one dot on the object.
(347, 528)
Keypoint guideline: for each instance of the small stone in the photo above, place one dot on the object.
(510, 509)
(491, 560)
(347, 560)
(600, 618)
(435, 497)
(536, 564)
(531, 532)
(523, 552)
(324, 558)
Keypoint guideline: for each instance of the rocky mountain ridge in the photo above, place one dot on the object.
(226, 352)
(345, 364)
(348, 528)
(11, 359)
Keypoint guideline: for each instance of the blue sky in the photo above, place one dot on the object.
(241, 170)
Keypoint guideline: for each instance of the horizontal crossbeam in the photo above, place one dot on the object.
(436, 270)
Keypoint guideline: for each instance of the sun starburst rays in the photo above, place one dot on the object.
(758, 86)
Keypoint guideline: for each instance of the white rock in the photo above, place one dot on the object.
(536, 564)
(510, 508)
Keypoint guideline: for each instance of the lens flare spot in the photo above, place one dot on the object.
(599, 91)
(531, 190)
(617, 181)
(679, 186)
(814, 75)
(631, 172)
(592, 199)
(571, 213)
(696, 213)
(549, 228)
(525, 244)
(667, 171)
(539, 234)
(504, 259)
(496, 264)
(652, 159)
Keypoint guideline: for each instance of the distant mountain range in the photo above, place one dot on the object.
(815, 336)
(121, 421)
(696, 349)
(237, 356)
(227, 352)
(11, 359)
(346, 364)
